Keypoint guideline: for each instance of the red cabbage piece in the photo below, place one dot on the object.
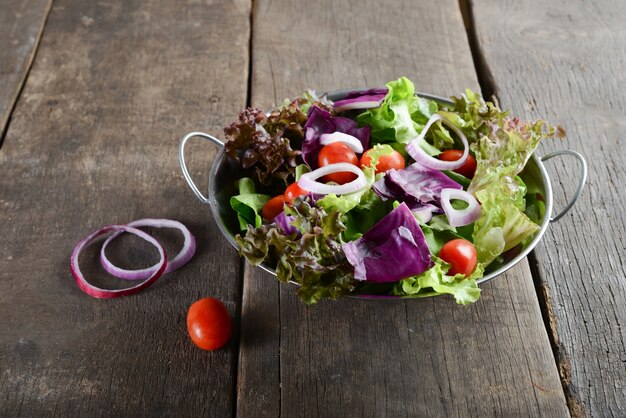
(284, 221)
(371, 92)
(416, 185)
(322, 122)
(392, 250)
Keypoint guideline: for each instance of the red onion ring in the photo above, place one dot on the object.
(369, 104)
(459, 217)
(415, 150)
(352, 142)
(184, 255)
(308, 180)
(97, 292)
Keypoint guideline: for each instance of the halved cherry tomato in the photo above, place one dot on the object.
(292, 192)
(385, 162)
(209, 324)
(461, 255)
(468, 169)
(338, 152)
(273, 207)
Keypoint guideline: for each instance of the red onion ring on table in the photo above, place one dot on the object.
(350, 141)
(97, 292)
(308, 181)
(183, 256)
(460, 217)
(415, 150)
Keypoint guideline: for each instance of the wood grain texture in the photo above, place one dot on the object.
(21, 25)
(372, 358)
(565, 61)
(94, 141)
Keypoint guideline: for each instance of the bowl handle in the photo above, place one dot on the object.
(183, 164)
(581, 180)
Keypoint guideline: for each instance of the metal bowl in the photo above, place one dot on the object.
(226, 171)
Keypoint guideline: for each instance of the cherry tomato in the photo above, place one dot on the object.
(209, 324)
(386, 162)
(461, 254)
(468, 169)
(338, 152)
(273, 207)
(292, 192)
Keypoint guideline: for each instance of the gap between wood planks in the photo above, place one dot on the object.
(489, 90)
(242, 262)
(20, 88)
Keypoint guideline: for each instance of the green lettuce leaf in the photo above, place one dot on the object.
(502, 226)
(248, 204)
(344, 203)
(501, 154)
(400, 116)
(464, 289)
(301, 169)
(365, 215)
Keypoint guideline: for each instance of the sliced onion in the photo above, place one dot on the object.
(415, 150)
(308, 181)
(97, 292)
(363, 102)
(185, 254)
(351, 141)
(459, 217)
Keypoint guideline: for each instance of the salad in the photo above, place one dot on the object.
(384, 192)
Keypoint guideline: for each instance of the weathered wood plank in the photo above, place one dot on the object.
(565, 61)
(21, 25)
(94, 141)
(366, 358)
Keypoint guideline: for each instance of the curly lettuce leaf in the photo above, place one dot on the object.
(307, 100)
(464, 289)
(400, 116)
(502, 226)
(263, 144)
(501, 155)
(346, 202)
(314, 259)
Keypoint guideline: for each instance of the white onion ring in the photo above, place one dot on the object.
(97, 292)
(352, 142)
(415, 150)
(358, 105)
(459, 217)
(184, 255)
(308, 180)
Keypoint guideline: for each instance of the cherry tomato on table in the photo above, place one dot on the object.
(468, 169)
(334, 153)
(209, 324)
(385, 162)
(273, 207)
(292, 192)
(461, 254)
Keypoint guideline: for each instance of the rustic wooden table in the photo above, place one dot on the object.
(93, 99)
